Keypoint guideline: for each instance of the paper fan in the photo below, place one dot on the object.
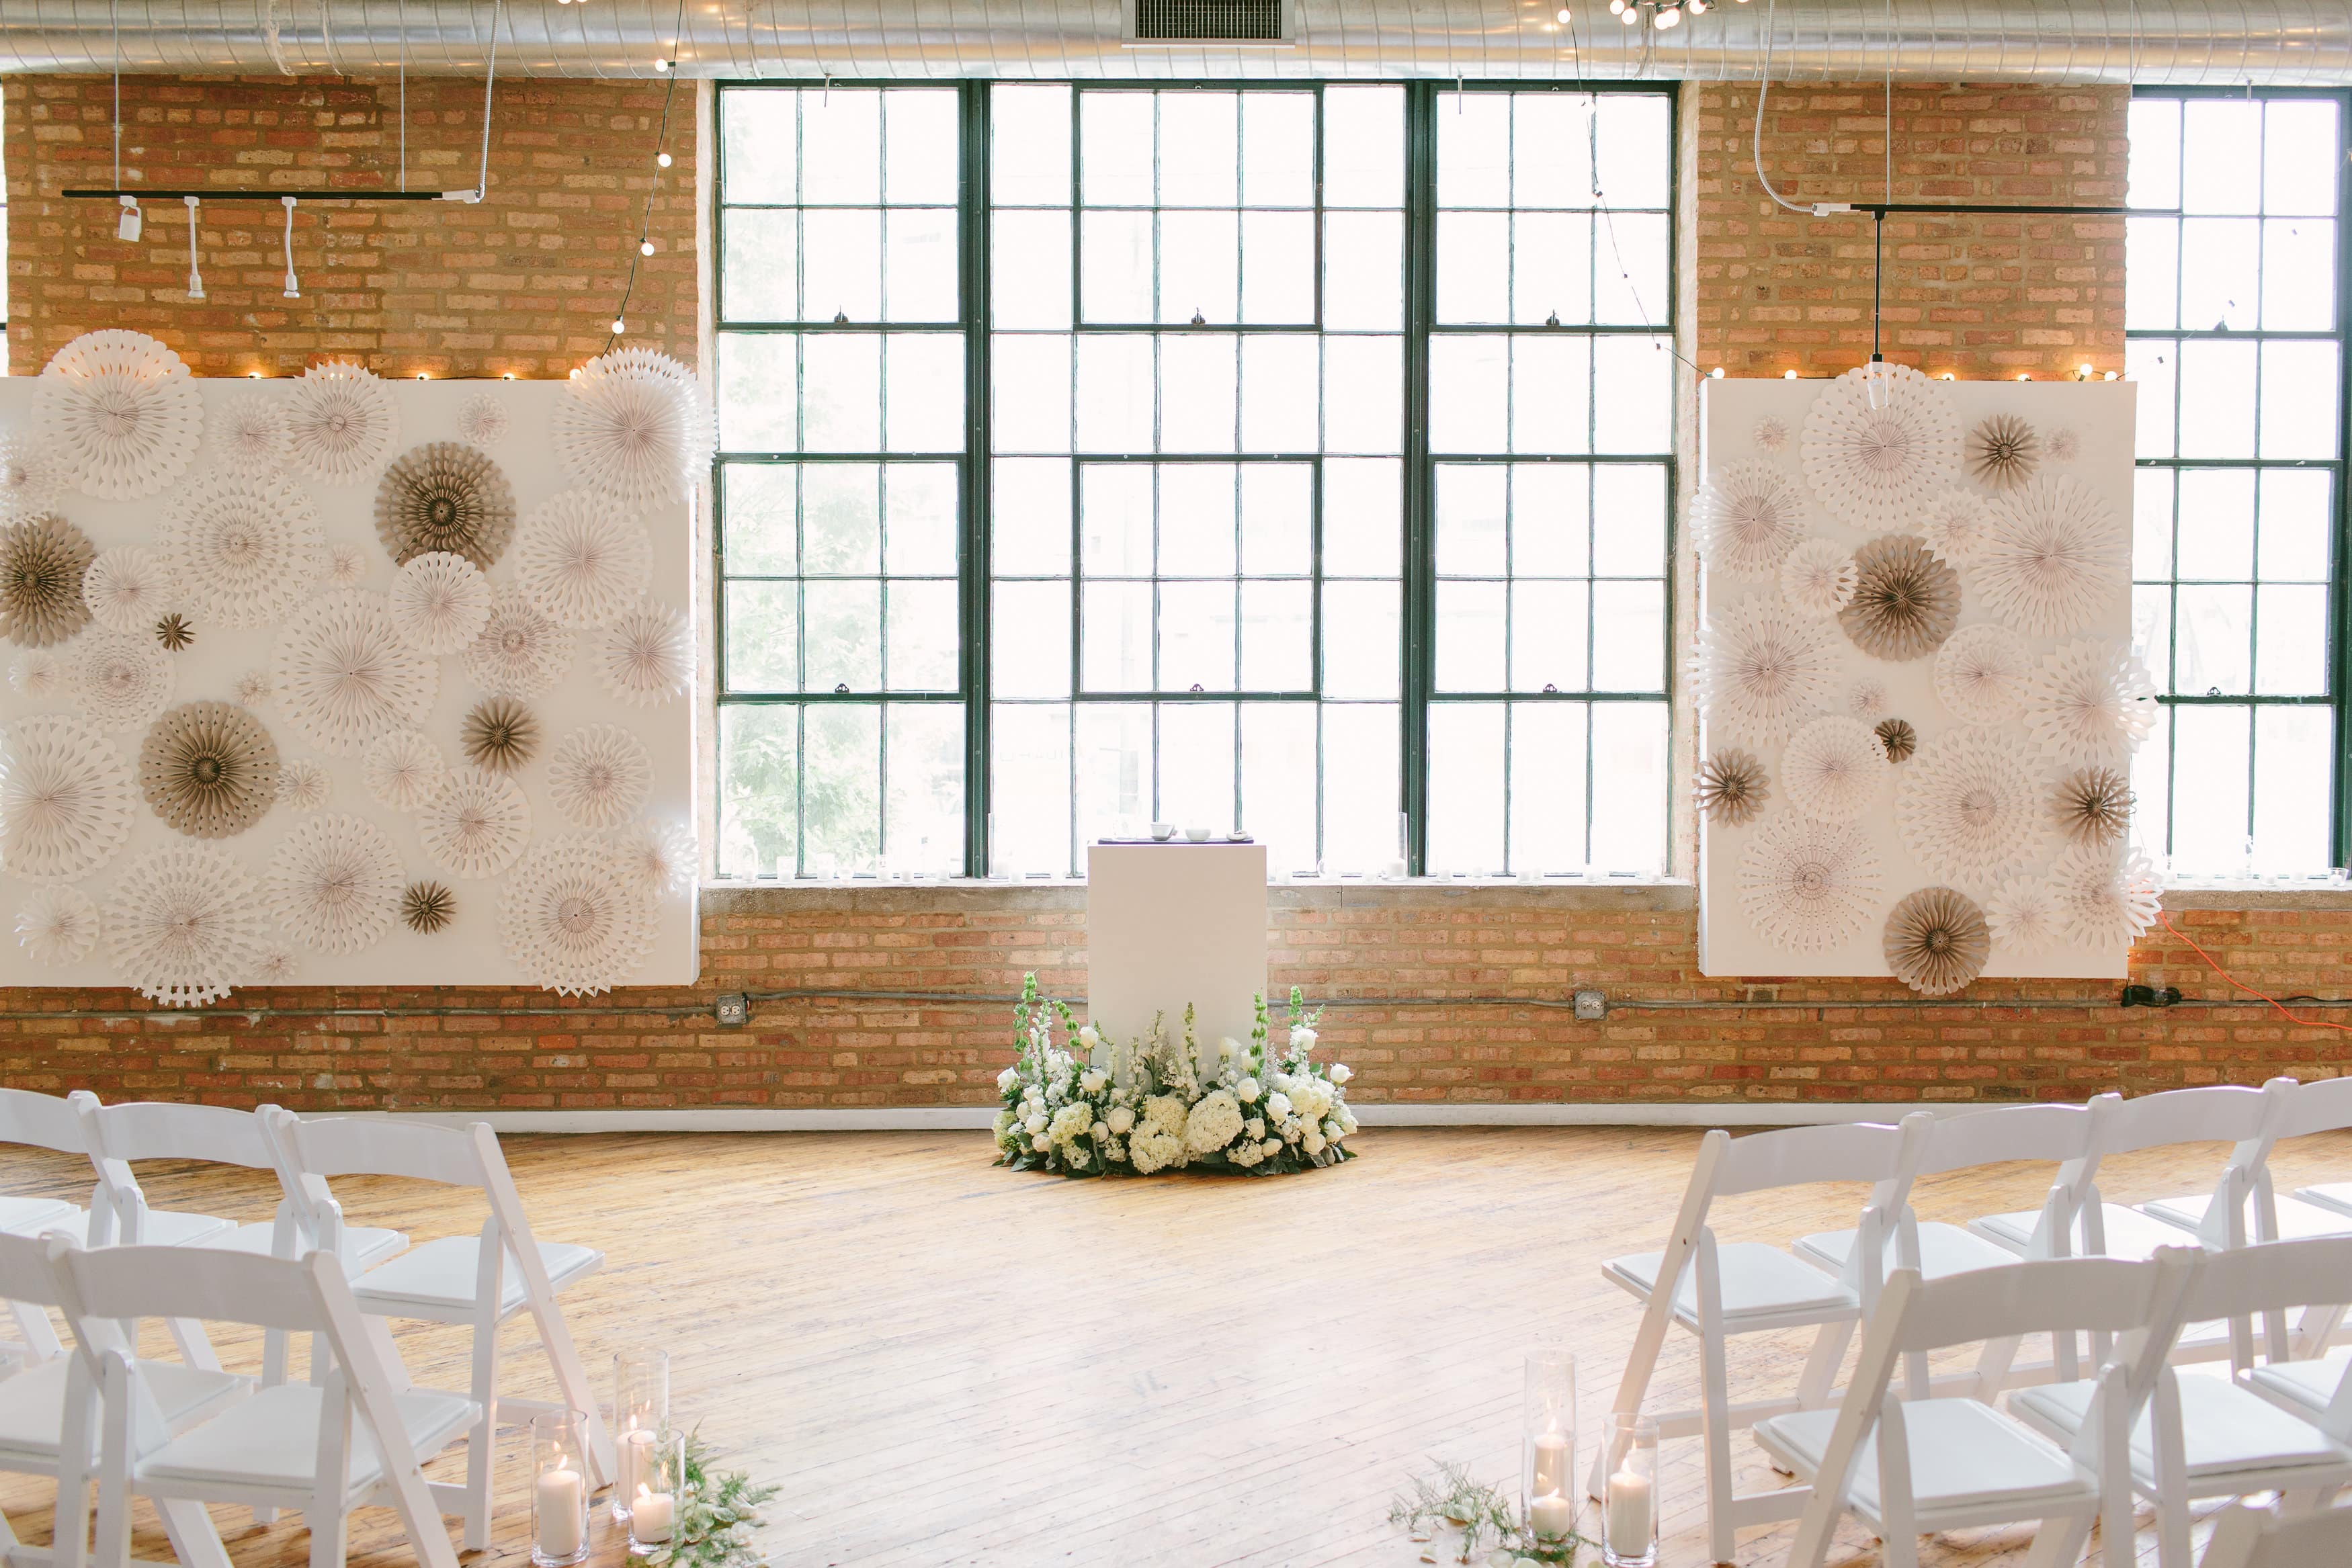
(2092, 806)
(439, 601)
(37, 675)
(344, 676)
(1970, 807)
(1874, 466)
(1981, 673)
(2003, 451)
(66, 797)
(405, 770)
(571, 923)
(633, 432)
(173, 632)
(1808, 885)
(1760, 671)
(56, 925)
(126, 587)
(1819, 577)
(208, 769)
(1833, 769)
(1904, 600)
(498, 734)
(347, 566)
(519, 652)
(580, 559)
(478, 825)
(2024, 917)
(123, 679)
(482, 420)
(335, 884)
(251, 431)
(426, 906)
(1867, 698)
(1731, 787)
(183, 925)
(599, 776)
(2064, 445)
(276, 965)
(303, 783)
(655, 858)
(1769, 435)
(252, 688)
(246, 550)
(120, 412)
(444, 497)
(644, 660)
(2090, 702)
(1897, 736)
(2052, 558)
(340, 422)
(42, 563)
(2107, 897)
(1954, 525)
(1937, 941)
(1747, 517)
(32, 481)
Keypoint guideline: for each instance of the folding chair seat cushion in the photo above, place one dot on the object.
(33, 1413)
(438, 1276)
(2297, 1222)
(2302, 1385)
(1759, 1282)
(24, 1215)
(364, 1246)
(2224, 1430)
(271, 1441)
(2130, 1234)
(1944, 1250)
(1963, 1454)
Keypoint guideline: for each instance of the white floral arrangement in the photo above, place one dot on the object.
(1090, 1106)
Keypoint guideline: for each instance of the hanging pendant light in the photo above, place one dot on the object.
(196, 278)
(293, 290)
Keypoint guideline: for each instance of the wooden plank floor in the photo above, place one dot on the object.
(946, 1364)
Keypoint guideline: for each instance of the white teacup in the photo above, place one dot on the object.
(1163, 831)
(1198, 835)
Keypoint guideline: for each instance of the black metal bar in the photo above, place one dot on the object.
(1880, 209)
(84, 194)
(975, 241)
(2339, 651)
(1419, 608)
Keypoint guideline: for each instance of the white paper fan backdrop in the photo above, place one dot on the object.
(67, 797)
(580, 559)
(2107, 895)
(1834, 768)
(1874, 467)
(344, 676)
(340, 422)
(440, 601)
(127, 587)
(244, 551)
(2024, 917)
(478, 825)
(1982, 673)
(2052, 558)
(1808, 885)
(2090, 702)
(571, 922)
(656, 857)
(123, 678)
(634, 429)
(599, 776)
(56, 925)
(405, 770)
(519, 650)
(32, 479)
(251, 429)
(1748, 518)
(1818, 577)
(335, 884)
(1970, 807)
(645, 660)
(1761, 670)
(120, 412)
(185, 924)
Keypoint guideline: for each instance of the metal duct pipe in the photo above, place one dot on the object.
(2170, 41)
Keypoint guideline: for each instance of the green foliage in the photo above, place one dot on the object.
(1452, 1497)
(715, 1516)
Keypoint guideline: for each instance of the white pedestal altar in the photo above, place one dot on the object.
(1172, 924)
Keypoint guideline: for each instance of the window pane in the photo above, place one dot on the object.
(759, 791)
(2294, 757)
(2155, 130)
(919, 146)
(1467, 775)
(919, 264)
(1364, 272)
(924, 824)
(2151, 271)
(2210, 767)
(1361, 649)
(2217, 399)
(1031, 408)
(760, 266)
(763, 638)
(2298, 396)
(1360, 824)
(844, 267)
(1029, 130)
(2295, 524)
(1030, 790)
(2291, 644)
(2222, 143)
(760, 518)
(1198, 782)
(922, 642)
(841, 816)
(1031, 653)
(844, 633)
(842, 392)
(1548, 776)
(925, 392)
(1363, 410)
(2300, 137)
(758, 391)
(2221, 271)
(1363, 146)
(1030, 525)
(1629, 786)
(1278, 782)
(759, 132)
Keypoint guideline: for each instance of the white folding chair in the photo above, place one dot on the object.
(41, 1122)
(49, 1426)
(478, 1280)
(2213, 1437)
(348, 1438)
(1915, 1466)
(2246, 1537)
(1715, 1291)
(2322, 1107)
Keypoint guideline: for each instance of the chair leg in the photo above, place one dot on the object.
(33, 1326)
(329, 1532)
(1716, 1430)
(194, 1540)
(2172, 1529)
(1633, 1387)
(2059, 1542)
(1899, 1551)
(1820, 1376)
(194, 1348)
(482, 1443)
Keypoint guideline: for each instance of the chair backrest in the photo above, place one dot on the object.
(25, 1270)
(1797, 1157)
(2221, 1113)
(2321, 1107)
(163, 1130)
(2052, 1132)
(2096, 1295)
(43, 1121)
(2249, 1537)
(373, 1145)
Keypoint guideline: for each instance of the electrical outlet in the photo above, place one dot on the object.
(734, 1010)
(1591, 1005)
(2151, 995)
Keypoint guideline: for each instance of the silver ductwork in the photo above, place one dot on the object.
(2268, 42)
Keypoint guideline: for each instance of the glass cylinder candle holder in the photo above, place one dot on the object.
(559, 1489)
(640, 1409)
(659, 1490)
(1547, 1463)
(1629, 1505)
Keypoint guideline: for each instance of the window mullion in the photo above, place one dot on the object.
(1419, 481)
(973, 546)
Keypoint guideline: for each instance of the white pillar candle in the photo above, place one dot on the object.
(1552, 1464)
(650, 1514)
(1550, 1515)
(562, 1512)
(1629, 1513)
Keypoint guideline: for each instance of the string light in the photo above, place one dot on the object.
(1787, 375)
(662, 160)
(645, 248)
(1716, 373)
(619, 326)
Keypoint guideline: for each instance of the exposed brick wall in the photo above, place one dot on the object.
(524, 283)
(1841, 1040)
(1777, 290)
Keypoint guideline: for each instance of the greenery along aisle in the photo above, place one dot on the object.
(1092, 1104)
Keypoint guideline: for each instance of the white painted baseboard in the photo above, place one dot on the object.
(927, 1119)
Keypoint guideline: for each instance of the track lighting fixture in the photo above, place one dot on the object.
(126, 227)
(196, 278)
(293, 290)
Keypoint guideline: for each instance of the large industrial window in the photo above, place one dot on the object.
(1291, 459)
(2236, 340)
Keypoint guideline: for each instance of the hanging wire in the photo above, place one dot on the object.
(1763, 87)
(401, 15)
(490, 81)
(645, 220)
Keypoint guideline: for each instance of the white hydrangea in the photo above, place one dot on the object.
(1245, 1154)
(1151, 1151)
(1072, 1121)
(1215, 1122)
(1255, 1126)
(1164, 1113)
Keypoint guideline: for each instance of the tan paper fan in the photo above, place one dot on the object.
(1905, 601)
(499, 734)
(427, 907)
(41, 565)
(2003, 451)
(174, 633)
(2093, 806)
(1898, 737)
(1937, 941)
(209, 769)
(1732, 786)
(444, 497)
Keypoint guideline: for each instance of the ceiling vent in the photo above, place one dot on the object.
(1265, 23)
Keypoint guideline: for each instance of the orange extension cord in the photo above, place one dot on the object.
(2274, 1001)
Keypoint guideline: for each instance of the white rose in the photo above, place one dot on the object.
(1007, 1078)
(1229, 1046)
(1120, 1120)
(1334, 1131)
(1246, 1090)
(1341, 1072)
(1270, 1148)
(1278, 1106)
(1313, 1142)
(1040, 1143)
(1255, 1126)
(1303, 1039)
(1101, 1130)
(1036, 1125)
(1089, 1037)
(1092, 1083)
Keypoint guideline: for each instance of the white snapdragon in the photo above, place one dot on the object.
(1121, 1121)
(1247, 1091)
(1341, 1072)
(1229, 1047)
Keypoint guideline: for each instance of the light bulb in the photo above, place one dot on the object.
(619, 326)
(645, 248)
(422, 376)
(255, 375)
(661, 64)
(662, 159)
(1950, 377)
(1698, 7)
(2110, 375)
(1563, 17)
(1787, 375)
(2086, 372)
(1630, 15)
(1616, 8)
(507, 376)
(1716, 373)
(1667, 17)
(2023, 377)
